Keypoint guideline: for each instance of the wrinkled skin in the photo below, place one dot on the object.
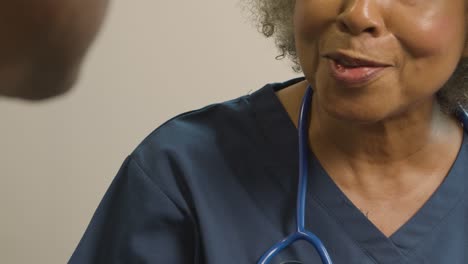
(385, 143)
(422, 40)
(43, 42)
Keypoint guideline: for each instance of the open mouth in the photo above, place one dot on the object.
(356, 73)
(351, 62)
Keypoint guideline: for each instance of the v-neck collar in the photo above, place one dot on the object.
(448, 195)
(281, 135)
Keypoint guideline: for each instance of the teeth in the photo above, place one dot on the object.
(347, 64)
(340, 67)
(350, 63)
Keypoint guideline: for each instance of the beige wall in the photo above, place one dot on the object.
(154, 59)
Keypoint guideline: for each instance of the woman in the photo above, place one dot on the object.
(387, 175)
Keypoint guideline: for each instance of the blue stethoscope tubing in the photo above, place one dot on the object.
(302, 233)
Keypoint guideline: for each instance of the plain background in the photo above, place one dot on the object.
(153, 60)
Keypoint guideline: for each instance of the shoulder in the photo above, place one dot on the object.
(181, 152)
(193, 139)
(194, 127)
(226, 126)
(207, 146)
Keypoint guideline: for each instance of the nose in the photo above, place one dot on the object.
(361, 16)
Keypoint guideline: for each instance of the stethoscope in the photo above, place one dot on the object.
(301, 232)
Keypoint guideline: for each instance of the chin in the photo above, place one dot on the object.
(363, 106)
(40, 92)
(48, 87)
(357, 113)
(45, 93)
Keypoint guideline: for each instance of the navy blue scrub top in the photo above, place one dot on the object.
(218, 186)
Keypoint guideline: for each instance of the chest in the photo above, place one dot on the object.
(390, 214)
(348, 239)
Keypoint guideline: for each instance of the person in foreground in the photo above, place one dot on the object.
(43, 43)
(388, 165)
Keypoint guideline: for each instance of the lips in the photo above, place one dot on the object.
(355, 61)
(354, 70)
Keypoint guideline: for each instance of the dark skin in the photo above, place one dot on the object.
(43, 44)
(384, 142)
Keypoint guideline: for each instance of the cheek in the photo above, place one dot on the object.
(311, 19)
(430, 36)
(431, 44)
(432, 49)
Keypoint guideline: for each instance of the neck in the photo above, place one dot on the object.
(398, 162)
(388, 157)
(419, 142)
(386, 141)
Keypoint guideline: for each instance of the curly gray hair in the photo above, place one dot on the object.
(274, 18)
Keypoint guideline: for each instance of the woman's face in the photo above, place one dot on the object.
(369, 60)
